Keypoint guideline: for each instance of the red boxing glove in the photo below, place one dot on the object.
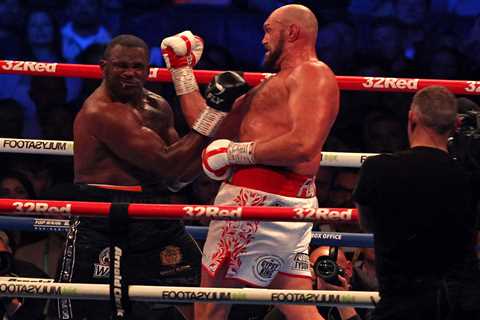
(219, 155)
(181, 52)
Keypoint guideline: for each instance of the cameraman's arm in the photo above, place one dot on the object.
(346, 313)
(15, 310)
(11, 306)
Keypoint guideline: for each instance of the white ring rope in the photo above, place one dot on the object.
(44, 288)
(65, 148)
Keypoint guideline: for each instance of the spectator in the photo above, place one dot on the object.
(11, 119)
(43, 43)
(11, 13)
(343, 184)
(54, 113)
(412, 16)
(83, 28)
(470, 46)
(42, 37)
(47, 92)
(16, 185)
(340, 195)
(36, 168)
(409, 201)
(445, 63)
(333, 39)
(18, 308)
(463, 8)
(371, 8)
(382, 133)
(58, 123)
(112, 11)
(386, 45)
(43, 250)
(323, 184)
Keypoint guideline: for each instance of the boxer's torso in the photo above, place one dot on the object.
(267, 116)
(94, 161)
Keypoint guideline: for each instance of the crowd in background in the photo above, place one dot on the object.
(387, 38)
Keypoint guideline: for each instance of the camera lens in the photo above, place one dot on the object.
(325, 267)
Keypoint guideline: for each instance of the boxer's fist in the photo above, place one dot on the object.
(221, 93)
(224, 89)
(219, 155)
(215, 162)
(182, 50)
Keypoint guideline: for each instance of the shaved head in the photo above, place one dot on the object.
(300, 16)
(289, 30)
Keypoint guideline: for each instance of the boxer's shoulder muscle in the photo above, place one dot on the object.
(311, 73)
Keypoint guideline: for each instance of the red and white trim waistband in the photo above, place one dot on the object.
(116, 187)
(274, 180)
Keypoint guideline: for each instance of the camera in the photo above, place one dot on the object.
(326, 267)
(464, 144)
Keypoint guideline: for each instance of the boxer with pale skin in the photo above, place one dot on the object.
(279, 128)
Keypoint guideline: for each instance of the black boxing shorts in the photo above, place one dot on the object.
(159, 252)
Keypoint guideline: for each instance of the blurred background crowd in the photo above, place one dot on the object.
(387, 38)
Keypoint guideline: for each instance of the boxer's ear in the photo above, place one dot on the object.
(102, 63)
(293, 32)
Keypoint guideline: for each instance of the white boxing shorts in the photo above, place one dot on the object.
(256, 251)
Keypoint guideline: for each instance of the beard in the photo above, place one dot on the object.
(270, 60)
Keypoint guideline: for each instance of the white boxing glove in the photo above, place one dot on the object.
(181, 53)
(219, 155)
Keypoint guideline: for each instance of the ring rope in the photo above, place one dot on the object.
(179, 211)
(339, 239)
(65, 148)
(355, 83)
(44, 288)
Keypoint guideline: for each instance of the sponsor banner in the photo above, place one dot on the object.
(390, 83)
(212, 211)
(29, 66)
(202, 295)
(41, 207)
(326, 235)
(55, 225)
(19, 289)
(324, 214)
(300, 298)
(22, 144)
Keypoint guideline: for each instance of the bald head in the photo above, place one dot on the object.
(298, 15)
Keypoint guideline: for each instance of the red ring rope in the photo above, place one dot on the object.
(176, 211)
(253, 78)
